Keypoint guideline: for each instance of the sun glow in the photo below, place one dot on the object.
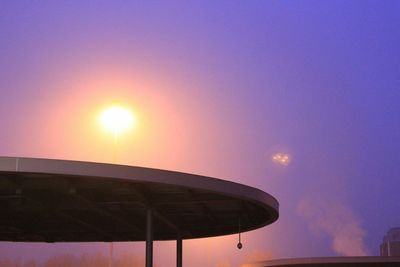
(117, 119)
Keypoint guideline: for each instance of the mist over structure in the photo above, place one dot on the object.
(218, 88)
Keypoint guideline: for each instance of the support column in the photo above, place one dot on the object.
(179, 246)
(110, 254)
(149, 238)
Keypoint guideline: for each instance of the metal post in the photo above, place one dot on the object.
(110, 254)
(149, 238)
(179, 251)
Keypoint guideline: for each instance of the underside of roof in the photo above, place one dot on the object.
(40, 207)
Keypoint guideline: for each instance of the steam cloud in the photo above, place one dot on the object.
(337, 221)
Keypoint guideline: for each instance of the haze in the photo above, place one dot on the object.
(218, 88)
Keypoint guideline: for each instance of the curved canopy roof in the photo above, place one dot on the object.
(45, 200)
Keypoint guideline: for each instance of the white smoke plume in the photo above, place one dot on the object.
(336, 220)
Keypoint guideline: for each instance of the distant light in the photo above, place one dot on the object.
(281, 158)
(116, 119)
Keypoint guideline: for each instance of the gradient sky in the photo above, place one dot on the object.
(218, 87)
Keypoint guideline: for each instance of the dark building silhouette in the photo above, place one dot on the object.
(391, 243)
(330, 262)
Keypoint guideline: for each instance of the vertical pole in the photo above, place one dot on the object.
(149, 238)
(110, 255)
(179, 246)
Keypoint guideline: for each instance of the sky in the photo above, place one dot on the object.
(218, 88)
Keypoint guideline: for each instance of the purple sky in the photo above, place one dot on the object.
(218, 88)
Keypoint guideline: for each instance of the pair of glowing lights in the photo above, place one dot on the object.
(281, 158)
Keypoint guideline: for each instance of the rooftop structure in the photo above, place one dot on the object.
(48, 200)
(331, 262)
(391, 243)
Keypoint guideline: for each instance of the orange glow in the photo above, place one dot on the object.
(281, 158)
(164, 121)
